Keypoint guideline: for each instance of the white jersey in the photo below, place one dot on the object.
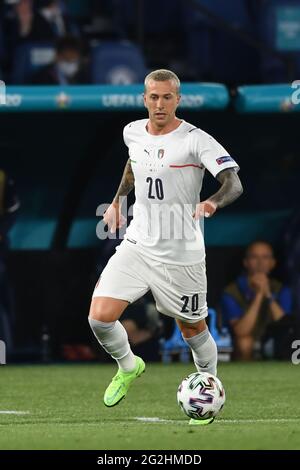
(168, 171)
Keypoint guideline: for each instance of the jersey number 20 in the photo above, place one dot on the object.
(190, 302)
(155, 187)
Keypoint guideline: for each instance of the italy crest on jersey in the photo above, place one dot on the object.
(160, 153)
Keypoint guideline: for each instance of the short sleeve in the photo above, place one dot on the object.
(212, 155)
(125, 135)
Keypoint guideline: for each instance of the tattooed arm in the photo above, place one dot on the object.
(230, 190)
(113, 217)
(127, 182)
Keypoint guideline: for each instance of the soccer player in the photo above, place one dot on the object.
(163, 248)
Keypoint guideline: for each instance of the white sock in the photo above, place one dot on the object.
(113, 338)
(204, 351)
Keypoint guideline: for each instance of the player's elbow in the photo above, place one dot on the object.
(237, 187)
(235, 192)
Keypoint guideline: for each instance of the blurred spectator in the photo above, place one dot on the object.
(68, 67)
(255, 304)
(34, 22)
(50, 22)
(47, 23)
(23, 18)
(42, 20)
(9, 204)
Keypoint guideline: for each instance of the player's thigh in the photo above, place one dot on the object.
(180, 292)
(123, 280)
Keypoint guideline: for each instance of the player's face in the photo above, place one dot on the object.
(161, 99)
(260, 259)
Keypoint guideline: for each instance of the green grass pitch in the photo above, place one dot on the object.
(64, 409)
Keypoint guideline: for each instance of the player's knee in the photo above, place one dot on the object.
(191, 329)
(101, 311)
(105, 310)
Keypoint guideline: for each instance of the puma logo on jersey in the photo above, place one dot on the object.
(145, 150)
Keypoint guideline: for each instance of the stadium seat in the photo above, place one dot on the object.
(28, 58)
(117, 63)
(175, 345)
(222, 338)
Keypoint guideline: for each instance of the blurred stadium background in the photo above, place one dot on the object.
(61, 140)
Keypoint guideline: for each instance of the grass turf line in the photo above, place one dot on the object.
(66, 410)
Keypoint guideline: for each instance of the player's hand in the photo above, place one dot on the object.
(113, 217)
(204, 209)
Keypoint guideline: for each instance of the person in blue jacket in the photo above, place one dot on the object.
(255, 301)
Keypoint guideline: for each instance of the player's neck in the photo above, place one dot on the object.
(153, 129)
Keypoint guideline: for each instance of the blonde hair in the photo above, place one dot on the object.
(162, 75)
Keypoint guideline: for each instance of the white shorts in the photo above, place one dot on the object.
(179, 291)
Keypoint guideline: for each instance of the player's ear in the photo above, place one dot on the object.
(145, 102)
(178, 98)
